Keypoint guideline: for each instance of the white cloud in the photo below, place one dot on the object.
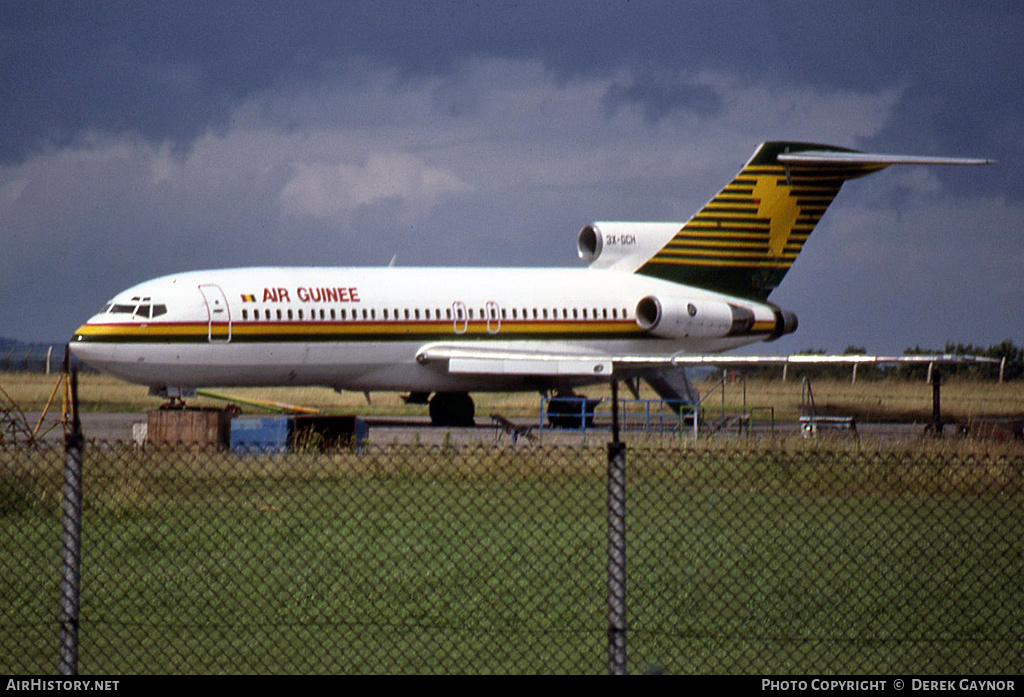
(11, 190)
(323, 191)
(787, 112)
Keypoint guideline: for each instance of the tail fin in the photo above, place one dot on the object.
(746, 238)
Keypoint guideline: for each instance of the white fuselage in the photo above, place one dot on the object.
(362, 328)
(633, 312)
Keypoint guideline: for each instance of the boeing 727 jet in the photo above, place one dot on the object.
(654, 298)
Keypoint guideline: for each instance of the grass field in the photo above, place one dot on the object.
(782, 559)
(768, 556)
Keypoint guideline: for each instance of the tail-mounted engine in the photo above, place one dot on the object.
(710, 319)
(785, 323)
(623, 246)
(707, 319)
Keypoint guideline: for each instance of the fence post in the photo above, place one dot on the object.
(71, 524)
(616, 546)
(936, 379)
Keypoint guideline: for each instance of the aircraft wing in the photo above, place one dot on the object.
(828, 359)
(482, 360)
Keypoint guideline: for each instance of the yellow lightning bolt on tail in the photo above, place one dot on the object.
(781, 210)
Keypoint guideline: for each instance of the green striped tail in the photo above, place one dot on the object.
(746, 238)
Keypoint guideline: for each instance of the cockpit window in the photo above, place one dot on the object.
(138, 310)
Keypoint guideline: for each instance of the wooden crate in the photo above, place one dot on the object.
(206, 426)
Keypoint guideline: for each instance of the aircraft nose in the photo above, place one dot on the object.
(90, 352)
(79, 344)
(85, 330)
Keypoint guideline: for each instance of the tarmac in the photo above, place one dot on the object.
(122, 427)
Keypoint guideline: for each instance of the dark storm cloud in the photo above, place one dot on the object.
(658, 97)
(959, 67)
(170, 71)
(165, 71)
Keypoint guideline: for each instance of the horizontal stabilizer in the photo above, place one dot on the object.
(821, 157)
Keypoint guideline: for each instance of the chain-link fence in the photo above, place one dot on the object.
(776, 559)
(37, 358)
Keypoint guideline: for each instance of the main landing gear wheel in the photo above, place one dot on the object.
(569, 410)
(452, 409)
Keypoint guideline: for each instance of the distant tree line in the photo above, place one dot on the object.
(1013, 369)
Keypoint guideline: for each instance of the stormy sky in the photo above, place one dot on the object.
(139, 139)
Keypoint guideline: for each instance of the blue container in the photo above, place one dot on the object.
(261, 434)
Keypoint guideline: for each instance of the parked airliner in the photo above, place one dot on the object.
(655, 297)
